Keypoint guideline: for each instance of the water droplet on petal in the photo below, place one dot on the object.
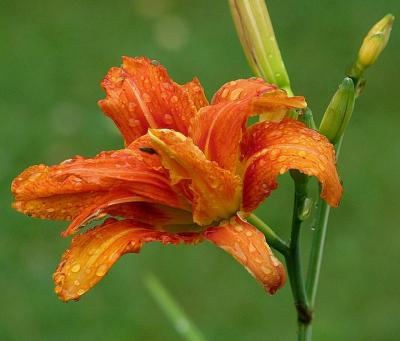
(80, 292)
(146, 97)
(101, 270)
(238, 228)
(225, 93)
(131, 106)
(236, 93)
(34, 176)
(266, 270)
(302, 153)
(251, 247)
(75, 268)
(274, 154)
(168, 119)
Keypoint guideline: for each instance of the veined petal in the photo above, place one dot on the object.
(274, 105)
(141, 94)
(217, 129)
(248, 246)
(50, 192)
(124, 204)
(242, 89)
(92, 254)
(216, 191)
(196, 93)
(57, 207)
(270, 149)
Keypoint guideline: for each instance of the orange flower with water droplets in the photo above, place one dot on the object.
(188, 168)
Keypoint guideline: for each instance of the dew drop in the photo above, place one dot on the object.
(34, 176)
(168, 119)
(236, 93)
(238, 228)
(266, 270)
(146, 97)
(225, 93)
(251, 247)
(274, 154)
(133, 123)
(302, 153)
(76, 283)
(174, 99)
(131, 106)
(101, 270)
(282, 158)
(57, 289)
(80, 292)
(75, 268)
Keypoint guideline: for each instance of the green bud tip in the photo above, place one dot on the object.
(375, 41)
(338, 113)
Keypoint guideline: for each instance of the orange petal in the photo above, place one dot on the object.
(270, 149)
(216, 191)
(248, 246)
(217, 129)
(123, 204)
(141, 94)
(274, 105)
(196, 93)
(92, 254)
(51, 189)
(163, 218)
(242, 89)
(57, 207)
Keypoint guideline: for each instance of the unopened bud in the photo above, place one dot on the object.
(338, 113)
(373, 45)
(375, 41)
(257, 37)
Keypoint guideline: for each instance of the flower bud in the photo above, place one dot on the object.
(257, 37)
(373, 45)
(338, 113)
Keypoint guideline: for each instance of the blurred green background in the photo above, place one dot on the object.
(53, 55)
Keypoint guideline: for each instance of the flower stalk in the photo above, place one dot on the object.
(271, 236)
(261, 49)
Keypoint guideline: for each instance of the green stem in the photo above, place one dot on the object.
(317, 247)
(272, 238)
(293, 260)
(317, 250)
(171, 308)
(318, 243)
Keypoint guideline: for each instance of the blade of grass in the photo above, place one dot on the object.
(172, 309)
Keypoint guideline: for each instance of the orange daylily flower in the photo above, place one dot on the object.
(190, 171)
